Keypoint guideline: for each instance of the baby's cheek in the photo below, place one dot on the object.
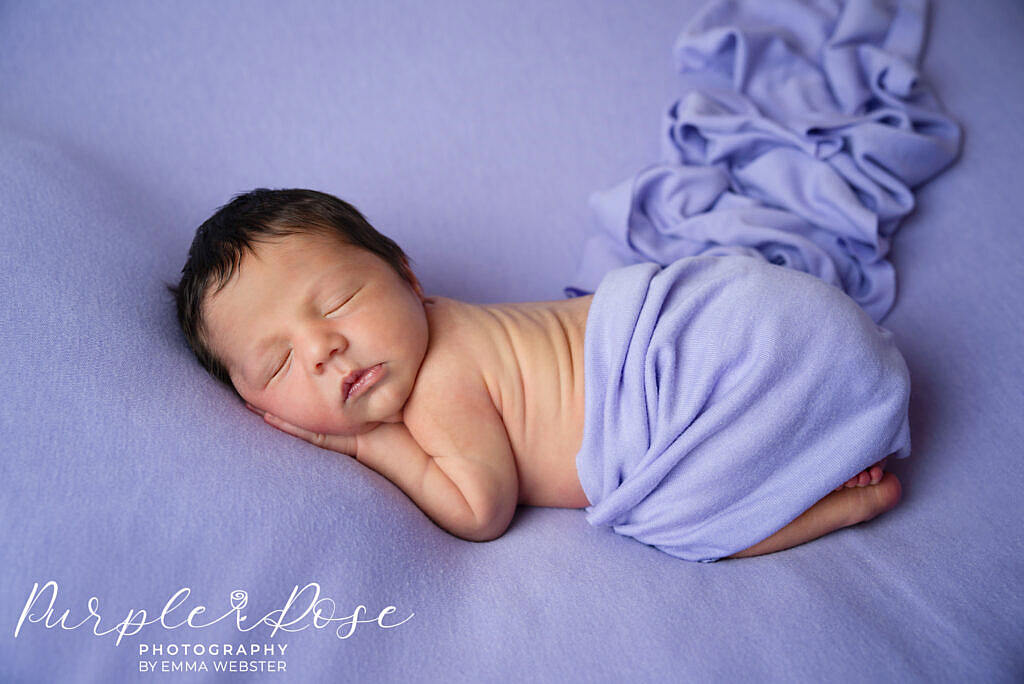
(324, 422)
(333, 422)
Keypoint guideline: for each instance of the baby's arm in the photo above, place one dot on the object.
(471, 491)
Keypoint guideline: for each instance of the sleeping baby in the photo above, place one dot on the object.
(720, 406)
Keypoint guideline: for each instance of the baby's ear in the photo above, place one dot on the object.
(419, 290)
(413, 280)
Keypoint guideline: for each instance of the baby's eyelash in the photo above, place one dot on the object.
(343, 303)
(283, 362)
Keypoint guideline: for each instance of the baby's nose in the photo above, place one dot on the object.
(331, 353)
(326, 348)
(322, 345)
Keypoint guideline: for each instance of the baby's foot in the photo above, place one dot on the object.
(871, 476)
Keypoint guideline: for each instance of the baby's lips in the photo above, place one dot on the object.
(350, 379)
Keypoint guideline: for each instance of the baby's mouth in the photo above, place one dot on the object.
(359, 381)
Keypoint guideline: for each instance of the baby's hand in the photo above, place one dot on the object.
(342, 444)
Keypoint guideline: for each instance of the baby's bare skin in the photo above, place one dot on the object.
(529, 357)
(471, 410)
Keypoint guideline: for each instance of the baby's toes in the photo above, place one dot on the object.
(852, 482)
(870, 476)
(861, 479)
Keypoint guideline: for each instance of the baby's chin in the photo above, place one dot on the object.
(354, 430)
(330, 425)
(348, 428)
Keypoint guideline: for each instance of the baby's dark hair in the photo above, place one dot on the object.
(259, 216)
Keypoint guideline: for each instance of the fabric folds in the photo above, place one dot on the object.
(725, 395)
(800, 135)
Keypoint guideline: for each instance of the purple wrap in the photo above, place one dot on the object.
(726, 395)
(802, 130)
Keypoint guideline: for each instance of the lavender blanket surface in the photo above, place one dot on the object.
(472, 134)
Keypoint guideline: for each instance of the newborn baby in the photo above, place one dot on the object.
(317, 322)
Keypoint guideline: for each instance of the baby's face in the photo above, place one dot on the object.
(300, 315)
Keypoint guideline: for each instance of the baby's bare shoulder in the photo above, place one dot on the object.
(449, 394)
(450, 406)
(451, 416)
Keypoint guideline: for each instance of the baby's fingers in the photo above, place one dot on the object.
(339, 443)
(295, 430)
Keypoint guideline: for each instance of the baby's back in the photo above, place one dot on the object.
(529, 357)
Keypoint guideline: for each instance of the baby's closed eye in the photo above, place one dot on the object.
(345, 300)
(282, 365)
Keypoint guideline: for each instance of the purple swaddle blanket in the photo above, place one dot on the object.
(729, 392)
(726, 395)
(804, 128)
